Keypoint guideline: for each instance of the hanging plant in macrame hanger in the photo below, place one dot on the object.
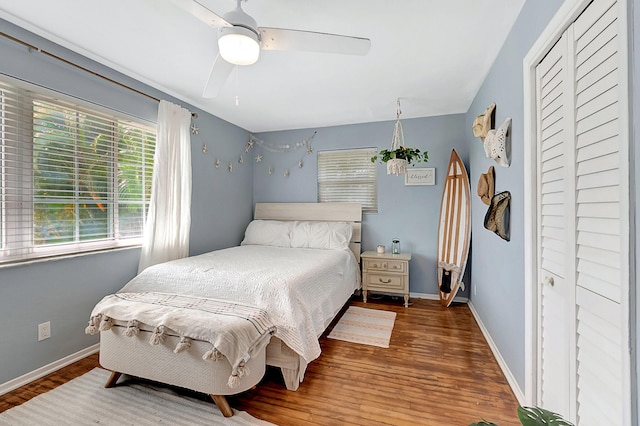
(399, 156)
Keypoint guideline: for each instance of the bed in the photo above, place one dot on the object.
(269, 301)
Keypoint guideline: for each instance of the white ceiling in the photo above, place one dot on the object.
(432, 54)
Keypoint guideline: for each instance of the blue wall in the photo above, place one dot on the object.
(64, 291)
(409, 213)
(498, 265)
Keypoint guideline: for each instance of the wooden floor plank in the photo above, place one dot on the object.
(438, 370)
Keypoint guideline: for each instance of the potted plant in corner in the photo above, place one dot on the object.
(399, 156)
(533, 416)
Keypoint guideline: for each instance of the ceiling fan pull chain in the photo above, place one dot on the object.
(237, 84)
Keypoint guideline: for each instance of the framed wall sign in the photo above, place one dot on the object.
(425, 176)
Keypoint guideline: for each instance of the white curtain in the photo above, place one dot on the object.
(166, 233)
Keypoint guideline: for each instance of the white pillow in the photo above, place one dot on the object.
(268, 233)
(321, 235)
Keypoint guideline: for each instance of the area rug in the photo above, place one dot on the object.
(365, 326)
(85, 401)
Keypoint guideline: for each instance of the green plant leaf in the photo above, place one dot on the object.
(483, 423)
(412, 155)
(534, 416)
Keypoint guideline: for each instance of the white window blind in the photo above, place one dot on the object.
(348, 176)
(74, 177)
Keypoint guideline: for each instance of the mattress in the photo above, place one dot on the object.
(301, 289)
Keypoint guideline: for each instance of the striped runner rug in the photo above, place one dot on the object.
(365, 326)
(85, 401)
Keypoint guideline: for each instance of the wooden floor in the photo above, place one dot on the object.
(438, 370)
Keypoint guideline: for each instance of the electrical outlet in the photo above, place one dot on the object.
(44, 330)
(475, 287)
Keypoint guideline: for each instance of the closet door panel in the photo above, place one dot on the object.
(599, 201)
(555, 383)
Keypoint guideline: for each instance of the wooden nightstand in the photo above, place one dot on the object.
(385, 272)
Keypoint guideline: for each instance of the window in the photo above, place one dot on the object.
(348, 176)
(74, 177)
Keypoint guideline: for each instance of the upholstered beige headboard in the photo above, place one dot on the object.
(326, 212)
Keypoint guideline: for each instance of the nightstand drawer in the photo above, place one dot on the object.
(379, 265)
(385, 281)
(385, 265)
(396, 265)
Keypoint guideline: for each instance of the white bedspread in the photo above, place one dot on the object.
(301, 289)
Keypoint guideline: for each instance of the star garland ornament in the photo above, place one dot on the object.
(306, 143)
(259, 157)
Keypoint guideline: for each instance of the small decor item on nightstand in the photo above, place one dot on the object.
(395, 247)
(380, 249)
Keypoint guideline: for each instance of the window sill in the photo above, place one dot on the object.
(53, 258)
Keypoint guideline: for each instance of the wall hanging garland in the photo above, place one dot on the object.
(252, 145)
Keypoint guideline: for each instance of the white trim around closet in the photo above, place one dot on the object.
(565, 16)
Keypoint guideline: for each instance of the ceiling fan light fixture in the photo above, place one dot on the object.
(238, 45)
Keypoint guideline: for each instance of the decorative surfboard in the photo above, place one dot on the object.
(454, 230)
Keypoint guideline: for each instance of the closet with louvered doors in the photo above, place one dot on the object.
(583, 221)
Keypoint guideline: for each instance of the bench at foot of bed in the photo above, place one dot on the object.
(136, 357)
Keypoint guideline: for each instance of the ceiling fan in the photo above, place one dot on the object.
(240, 41)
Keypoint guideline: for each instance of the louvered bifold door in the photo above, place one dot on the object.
(583, 216)
(554, 291)
(601, 217)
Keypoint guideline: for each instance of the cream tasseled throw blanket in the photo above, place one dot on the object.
(235, 330)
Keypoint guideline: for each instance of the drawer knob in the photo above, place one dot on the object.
(383, 281)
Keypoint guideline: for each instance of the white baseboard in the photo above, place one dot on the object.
(47, 369)
(498, 356)
(436, 297)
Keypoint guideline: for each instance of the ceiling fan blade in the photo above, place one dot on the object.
(202, 13)
(283, 39)
(217, 77)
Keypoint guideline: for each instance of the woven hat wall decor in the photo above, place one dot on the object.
(484, 122)
(486, 186)
(497, 217)
(497, 143)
